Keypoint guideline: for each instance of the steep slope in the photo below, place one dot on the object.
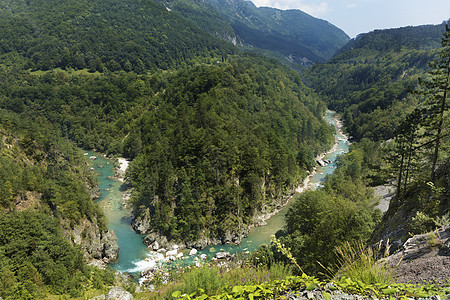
(100, 35)
(294, 35)
(227, 136)
(220, 145)
(49, 224)
(368, 80)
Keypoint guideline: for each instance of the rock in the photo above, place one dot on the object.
(155, 246)
(227, 238)
(222, 255)
(321, 162)
(118, 293)
(171, 258)
(141, 224)
(193, 252)
(203, 256)
(162, 250)
(172, 253)
(148, 272)
(92, 157)
(179, 255)
(110, 247)
(175, 247)
(98, 264)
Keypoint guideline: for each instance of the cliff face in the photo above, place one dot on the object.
(100, 246)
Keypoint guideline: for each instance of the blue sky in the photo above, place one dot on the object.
(359, 16)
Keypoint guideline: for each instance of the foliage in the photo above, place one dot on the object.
(44, 185)
(342, 211)
(290, 34)
(279, 289)
(36, 258)
(367, 81)
(101, 35)
(212, 279)
(222, 142)
(362, 263)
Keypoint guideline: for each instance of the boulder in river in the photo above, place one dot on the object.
(172, 253)
(222, 255)
(193, 252)
(203, 256)
(155, 246)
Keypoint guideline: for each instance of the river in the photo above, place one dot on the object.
(133, 254)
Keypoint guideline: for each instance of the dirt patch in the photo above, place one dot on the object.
(424, 257)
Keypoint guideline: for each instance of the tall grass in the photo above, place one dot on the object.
(213, 280)
(365, 264)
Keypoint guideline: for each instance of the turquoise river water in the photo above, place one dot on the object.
(134, 255)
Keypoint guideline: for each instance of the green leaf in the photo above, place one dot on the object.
(389, 291)
(237, 289)
(176, 294)
(326, 295)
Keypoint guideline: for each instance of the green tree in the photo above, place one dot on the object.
(435, 107)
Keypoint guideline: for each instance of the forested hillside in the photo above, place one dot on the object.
(100, 35)
(219, 145)
(290, 36)
(392, 87)
(45, 193)
(369, 79)
(216, 136)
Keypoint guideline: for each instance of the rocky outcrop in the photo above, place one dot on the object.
(99, 245)
(118, 293)
(424, 257)
(141, 223)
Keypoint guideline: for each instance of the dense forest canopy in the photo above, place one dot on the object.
(100, 35)
(290, 36)
(236, 135)
(216, 136)
(368, 79)
(43, 195)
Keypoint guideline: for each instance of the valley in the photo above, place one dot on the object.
(208, 117)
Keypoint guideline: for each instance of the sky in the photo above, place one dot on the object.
(360, 16)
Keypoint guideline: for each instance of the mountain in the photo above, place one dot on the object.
(217, 136)
(288, 35)
(100, 35)
(368, 79)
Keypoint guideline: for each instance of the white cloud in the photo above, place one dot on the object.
(316, 10)
(352, 5)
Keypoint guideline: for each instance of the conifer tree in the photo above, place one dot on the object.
(436, 88)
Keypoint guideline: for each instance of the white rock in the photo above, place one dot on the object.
(193, 252)
(155, 246)
(203, 256)
(172, 253)
(179, 255)
(221, 255)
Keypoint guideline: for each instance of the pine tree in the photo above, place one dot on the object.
(436, 89)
